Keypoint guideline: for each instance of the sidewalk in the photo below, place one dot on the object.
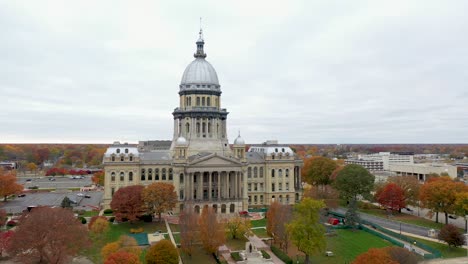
(169, 231)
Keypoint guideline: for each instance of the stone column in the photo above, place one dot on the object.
(235, 184)
(219, 185)
(209, 185)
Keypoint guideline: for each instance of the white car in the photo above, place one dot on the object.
(79, 194)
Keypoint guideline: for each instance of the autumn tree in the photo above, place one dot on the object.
(212, 232)
(271, 214)
(189, 231)
(410, 186)
(451, 235)
(48, 235)
(328, 194)
(306, 231)
(461, 206)
(127, 203)
(238, 226)
(8, 185)
(163, 252)
(317, 170)
(375, 256)
(403, 256)
(278, 216)
(122, 257)
(439, 195)
(3, 217)
(5, 238)
(32, 167)
(159, 197)
(98, 178)
(391, 196)
(123, 244)
(98, 226)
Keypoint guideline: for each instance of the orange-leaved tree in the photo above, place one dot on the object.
(98, 178)
(391, 196)
(439, 195)
(125, 243)
(375, 256)
(163, 252)
(318, 170)
(122, 257)
(127, 203)
(189, 232)
(410, 186)
(8, 185)
(212, 232)
(48, 235)
(159, 197)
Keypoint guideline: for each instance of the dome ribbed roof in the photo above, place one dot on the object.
(199, 71)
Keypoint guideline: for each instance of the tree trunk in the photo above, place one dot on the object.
(159, 214)
(466, 225)
(437, 217)
(446, 218)
(307, 260)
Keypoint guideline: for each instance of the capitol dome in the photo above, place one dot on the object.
(239, 141)
(200, 71)
(181, 141)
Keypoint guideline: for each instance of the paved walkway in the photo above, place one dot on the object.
(169, 231)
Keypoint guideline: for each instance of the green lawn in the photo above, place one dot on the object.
(115, 231)
(346, 246)
(176, 238)
(199, 256)
(447, 252)
(90, 213)
(236, 244)
(174, 228)
(258, 223)
(260, 232)
(405, 218)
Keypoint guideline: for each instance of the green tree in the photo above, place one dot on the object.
(461, 206)
(352, 217)
(317, 170)
(306, 231)
(162, 252)
(354, 180)
(66, 203)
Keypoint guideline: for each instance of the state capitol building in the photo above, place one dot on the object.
(199, 161)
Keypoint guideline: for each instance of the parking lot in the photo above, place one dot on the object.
(18, 204)
(58, 182)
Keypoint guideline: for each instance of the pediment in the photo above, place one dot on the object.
(215, 160)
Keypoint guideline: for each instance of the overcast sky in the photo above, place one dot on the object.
(296, 71)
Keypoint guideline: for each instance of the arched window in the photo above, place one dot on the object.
(113, 176)
(181, 178)
(118, 151)
(187, 128)
(280, 173)
(255, 172)
(198, 101)
(122, 176)
(249, 172)
(223, 208)
(190, 101)
(130, 158)
(156, 174)
(170, 174)
(198, 128)
(204, 127)
(150, 174)
(113, 158)
(203, 101)
(143, 177)
(209, 127)
(208, 101)
(287, 173)
(130, 176)
(126, 150)
(231, 208)
(163, 174)
(273, 173)
(122, 158)
(261, 172)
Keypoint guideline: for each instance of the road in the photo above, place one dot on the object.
(391, 224)
(59, 183)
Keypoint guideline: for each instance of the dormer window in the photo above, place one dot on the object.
(276, 149)
(113, 158)
(121, 158)
(130, 158)
(126, 150)
(118, 151)
(282, 150)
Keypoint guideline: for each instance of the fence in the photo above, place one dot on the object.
(392, 236)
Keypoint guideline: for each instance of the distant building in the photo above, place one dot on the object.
(381, 161)
(423, 170)
(8, 165)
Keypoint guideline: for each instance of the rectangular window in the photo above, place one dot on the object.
(255, 199)
(261, 198)
(272, 187)
(280, 186)
(255, 186)
(249, 187)
(287, 186)
(112, 191)
(250, 200)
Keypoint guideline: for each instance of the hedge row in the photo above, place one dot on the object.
(280, 254)
(236, 256)
(265, 254)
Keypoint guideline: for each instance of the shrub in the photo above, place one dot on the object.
(136, 230)
(112, 219)
(83, 220)
(280, 254)
(11, 223)
(265, 254)
(236, 256)
(108, 211)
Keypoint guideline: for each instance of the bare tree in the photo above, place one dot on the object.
(188, 224)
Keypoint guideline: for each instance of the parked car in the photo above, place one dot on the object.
(79, 194)
(87, 196)
(28, 179)
(21, 195)
(51, 179)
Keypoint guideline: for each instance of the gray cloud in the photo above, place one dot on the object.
(305, 72)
